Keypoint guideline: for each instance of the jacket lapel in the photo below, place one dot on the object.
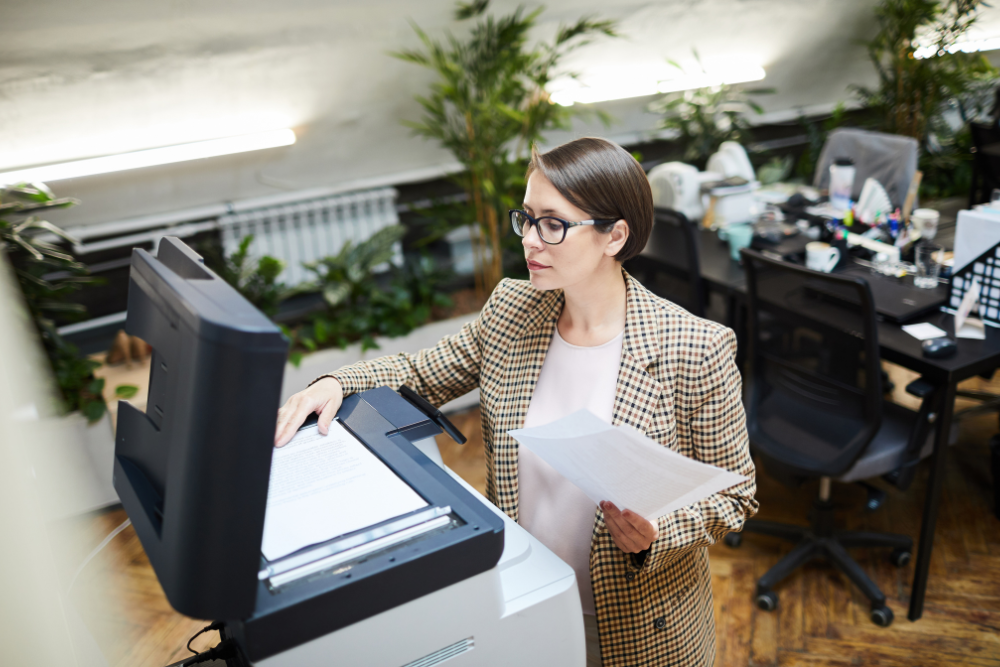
(637, 392)
(525, 356)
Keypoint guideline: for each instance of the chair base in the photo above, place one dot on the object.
(821, 540)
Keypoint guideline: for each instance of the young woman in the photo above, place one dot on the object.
(584, 334)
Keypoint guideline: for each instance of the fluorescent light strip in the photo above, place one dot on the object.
(972, 46)
(606, 90)
(151, 157)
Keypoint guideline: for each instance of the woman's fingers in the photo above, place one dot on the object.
(294, 417)
(327, 414)
(324, 397)
(647, 529)
(621, 531)
(630, 532)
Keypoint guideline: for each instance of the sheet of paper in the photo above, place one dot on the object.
(973, 329)
(924, 331)
(970, 301)
(323, 486)
(975, 233)
(619, 464)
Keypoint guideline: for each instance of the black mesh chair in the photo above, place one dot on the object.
(668, 265)
(815, 410)
(985, 167)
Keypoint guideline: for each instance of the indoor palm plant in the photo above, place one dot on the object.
(48, 275)
(923, 78)
(489, 105)
(705, 117)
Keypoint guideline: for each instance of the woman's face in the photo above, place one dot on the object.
(583, 254)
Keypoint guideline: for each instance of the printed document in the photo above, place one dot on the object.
(619, 464)
(323, 486)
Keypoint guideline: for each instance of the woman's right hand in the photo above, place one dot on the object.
(323, 397)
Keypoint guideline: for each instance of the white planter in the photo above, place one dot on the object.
(326, 361)
(73, 465)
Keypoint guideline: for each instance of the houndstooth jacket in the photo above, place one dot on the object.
(678, 383)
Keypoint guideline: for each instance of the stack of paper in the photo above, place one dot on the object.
(323, 486)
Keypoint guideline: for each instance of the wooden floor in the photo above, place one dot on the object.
(820, 620)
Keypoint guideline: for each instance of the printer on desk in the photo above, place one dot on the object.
(455, 580)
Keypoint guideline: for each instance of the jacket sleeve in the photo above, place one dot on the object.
(719, 437)
(446, 371)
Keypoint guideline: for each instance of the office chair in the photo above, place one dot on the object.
(985, 167)
(888, 158)
(815, 411)
(668, 266)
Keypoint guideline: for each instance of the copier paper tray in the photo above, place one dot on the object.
(314, 592)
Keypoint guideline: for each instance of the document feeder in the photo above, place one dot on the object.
(192, 473)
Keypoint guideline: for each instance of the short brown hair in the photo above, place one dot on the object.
(603, 179)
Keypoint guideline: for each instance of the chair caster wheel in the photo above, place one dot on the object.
(766, 600)
(900, 557)
(881, 616)
(733, 540)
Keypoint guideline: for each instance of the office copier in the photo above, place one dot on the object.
(454, 580)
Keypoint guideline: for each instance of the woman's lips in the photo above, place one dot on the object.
(535, 266)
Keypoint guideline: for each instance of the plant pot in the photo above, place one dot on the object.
(73, 465)
(326, 361)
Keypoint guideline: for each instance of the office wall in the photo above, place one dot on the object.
(82, 79)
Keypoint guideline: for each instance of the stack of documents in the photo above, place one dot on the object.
(324, 486)
(619, 464)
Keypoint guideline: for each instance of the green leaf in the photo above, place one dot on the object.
(96, 386)
(126, 391)
(93, 410)
(295, 358)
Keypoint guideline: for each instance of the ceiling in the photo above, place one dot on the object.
(83, 79)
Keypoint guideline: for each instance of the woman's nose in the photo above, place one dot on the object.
(531, 239)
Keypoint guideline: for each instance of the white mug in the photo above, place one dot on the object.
(926, 222)
(821, 256)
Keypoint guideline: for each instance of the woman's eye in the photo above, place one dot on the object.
(552, 226)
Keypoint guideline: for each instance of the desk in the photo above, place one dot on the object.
(725, 276)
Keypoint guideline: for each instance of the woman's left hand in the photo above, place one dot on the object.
(631, 532)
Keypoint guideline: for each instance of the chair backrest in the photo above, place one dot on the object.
(890, 159)
(988, 166)
(670, 261)
(815, 377)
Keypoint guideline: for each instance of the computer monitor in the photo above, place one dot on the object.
(192, 470)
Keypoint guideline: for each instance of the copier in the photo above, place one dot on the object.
(453, 581)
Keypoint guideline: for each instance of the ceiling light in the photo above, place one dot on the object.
(151, 157)
(605, 87)
(971, 46)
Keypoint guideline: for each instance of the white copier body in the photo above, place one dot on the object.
(525, 612)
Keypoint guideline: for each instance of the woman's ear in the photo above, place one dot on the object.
(619, 235)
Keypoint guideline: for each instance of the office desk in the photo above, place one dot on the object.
(725, 276)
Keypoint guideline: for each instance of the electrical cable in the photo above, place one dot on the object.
(218, 625)
(97, 550)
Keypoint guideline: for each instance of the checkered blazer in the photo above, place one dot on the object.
(678, 384)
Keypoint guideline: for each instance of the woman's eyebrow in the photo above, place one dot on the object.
(545, 211)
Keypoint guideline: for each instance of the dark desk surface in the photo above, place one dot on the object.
(717, 267)
(973, 356)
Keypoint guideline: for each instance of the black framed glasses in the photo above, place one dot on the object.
(552, 230)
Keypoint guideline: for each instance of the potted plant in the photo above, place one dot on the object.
(488, 106)
(923, 79)
(47, 275)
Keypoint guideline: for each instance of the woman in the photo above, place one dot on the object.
(584, 334)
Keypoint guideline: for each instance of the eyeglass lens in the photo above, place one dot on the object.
(551, 230)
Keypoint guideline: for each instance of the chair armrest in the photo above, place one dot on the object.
(920, 388)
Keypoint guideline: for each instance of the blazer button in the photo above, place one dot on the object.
(629, 576)
(660, 623)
